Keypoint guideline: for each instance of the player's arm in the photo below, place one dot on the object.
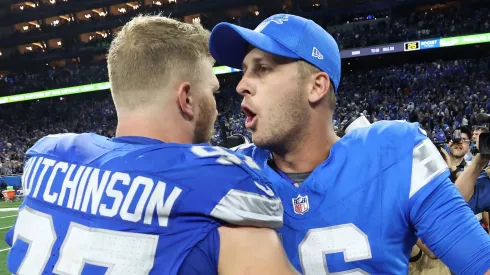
(441, 217)
(249, 250)
(467, 179)
(480, 200)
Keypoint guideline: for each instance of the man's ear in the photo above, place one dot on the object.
(186, 100)
(320, 87)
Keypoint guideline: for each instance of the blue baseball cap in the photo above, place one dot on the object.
(284, 35)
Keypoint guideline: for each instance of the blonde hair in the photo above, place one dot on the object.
(150, 51)
(306, 70)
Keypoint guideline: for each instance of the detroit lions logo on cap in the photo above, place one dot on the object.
(278, 19)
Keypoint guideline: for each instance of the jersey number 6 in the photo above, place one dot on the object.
(346, 238)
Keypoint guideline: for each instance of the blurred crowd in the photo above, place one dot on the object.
(24, 123)
(440, 95)
(52, 78)
(414, 26)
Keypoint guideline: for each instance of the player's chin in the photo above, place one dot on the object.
(260, 140)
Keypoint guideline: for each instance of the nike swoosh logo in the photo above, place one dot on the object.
(266, 189)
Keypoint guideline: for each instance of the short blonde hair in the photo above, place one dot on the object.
(306, 70)
(148, 53)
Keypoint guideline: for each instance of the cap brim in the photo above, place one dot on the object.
(228, 44)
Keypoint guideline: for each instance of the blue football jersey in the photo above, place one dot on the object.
(480, 201)
(361, 210)
(130, 205)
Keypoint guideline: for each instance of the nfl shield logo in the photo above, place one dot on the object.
(301, 204)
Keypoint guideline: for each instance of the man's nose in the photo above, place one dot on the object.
(244, 87)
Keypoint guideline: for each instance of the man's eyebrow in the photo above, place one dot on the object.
(274, 60)
(254, 60)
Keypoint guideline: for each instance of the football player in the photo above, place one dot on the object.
(354, 205)
(156, 199)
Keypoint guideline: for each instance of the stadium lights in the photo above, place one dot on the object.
(65, 17)
(134, 6)
(100, 13)
(103, 34)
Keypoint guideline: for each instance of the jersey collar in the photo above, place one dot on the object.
(136, 140)
(315, 186)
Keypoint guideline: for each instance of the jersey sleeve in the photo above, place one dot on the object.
(441, 217)
(480, 201)
(238, 192)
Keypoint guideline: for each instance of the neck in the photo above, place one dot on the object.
(456, 160)
(164, 127)
(306, 153)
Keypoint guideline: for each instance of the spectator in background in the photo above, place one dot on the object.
(476, 135)
(457, 151)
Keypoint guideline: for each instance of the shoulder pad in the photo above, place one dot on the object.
(240, 192)
(48, 143)
(399, 134)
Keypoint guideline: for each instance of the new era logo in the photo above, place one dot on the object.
(316, 53)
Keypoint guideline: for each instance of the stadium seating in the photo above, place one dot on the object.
(440, 95)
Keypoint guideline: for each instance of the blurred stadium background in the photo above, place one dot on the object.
(416, 60)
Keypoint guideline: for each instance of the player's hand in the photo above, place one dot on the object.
(487, 170)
